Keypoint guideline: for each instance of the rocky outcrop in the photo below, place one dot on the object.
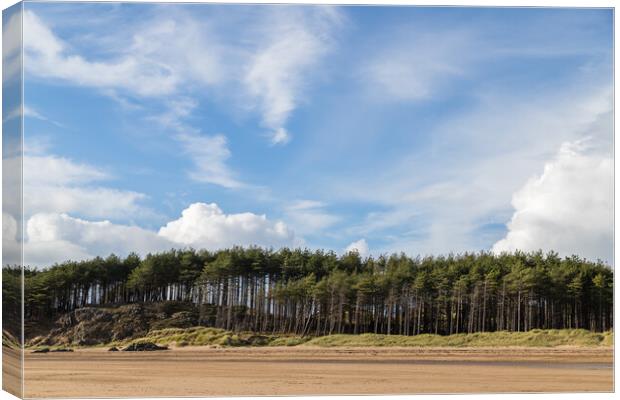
(144, 346)
(96, 325)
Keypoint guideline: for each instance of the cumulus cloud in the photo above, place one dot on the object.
(568, 208)
(57, 237)
(461, 201)
(207, 226)
(360, 246)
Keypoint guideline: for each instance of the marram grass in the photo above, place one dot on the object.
(201, 336)
(534, 338)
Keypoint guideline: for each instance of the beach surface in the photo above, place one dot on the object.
(302, 370)
(12, 370)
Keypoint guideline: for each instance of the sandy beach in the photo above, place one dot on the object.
(11, 370)
(202, 371)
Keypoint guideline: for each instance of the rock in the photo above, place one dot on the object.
(258, 340)
(144, 346)
(91, 326)
(113, 349)
(62, 350)
(181, 319)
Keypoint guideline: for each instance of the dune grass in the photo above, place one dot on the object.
(534, 338)
(8, 340)
(202, 336)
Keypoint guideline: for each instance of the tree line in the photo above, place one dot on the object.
(319, 292)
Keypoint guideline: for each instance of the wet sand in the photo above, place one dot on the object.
(201, 371)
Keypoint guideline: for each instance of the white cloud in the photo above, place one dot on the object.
(11, 250)
(186, 47)
(417, 62)
(53, 184)
(568, 208)
(32, 113)
(417, 66)
(269, 60)
(59, 185)
(209, 154)
(50, 169)
(11, 47)
(280, 136)
(28, 112)
(360, 246)
(95, 202)
(163, 56)
(14, 113)
(59, 237)
(9, 226)
(176, 111)
(48, 56)
(455, 193)
(206, 226)
(291, 45)
(309, 217)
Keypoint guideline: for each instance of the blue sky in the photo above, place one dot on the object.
(423, 130)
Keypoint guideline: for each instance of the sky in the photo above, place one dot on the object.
(379, 129)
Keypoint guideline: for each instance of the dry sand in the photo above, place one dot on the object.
(201, 371)
(11, 370)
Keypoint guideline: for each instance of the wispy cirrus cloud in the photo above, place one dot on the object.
(428, 128)
(290, 46)
(419, 62)
(209, 154)
(174, 56)
(48, 56)
(417, 65)
(310, 216)
(29, 112)
(496, 148)
(271, 60)
(58, 184)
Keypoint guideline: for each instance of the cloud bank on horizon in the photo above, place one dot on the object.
(422, 130)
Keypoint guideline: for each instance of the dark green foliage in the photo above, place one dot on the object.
(317, 293)
(11, 306)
